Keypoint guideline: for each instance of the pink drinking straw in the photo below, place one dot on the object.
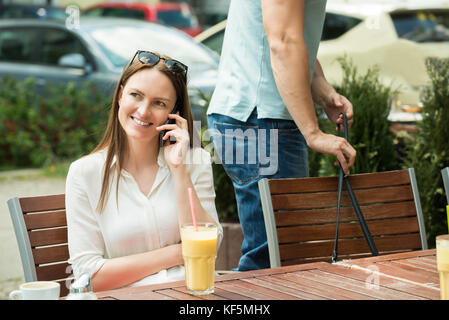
(192, 209)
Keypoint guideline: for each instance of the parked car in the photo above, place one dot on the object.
(178, 15)
(98, 51)
(397, 37)
(20, 11)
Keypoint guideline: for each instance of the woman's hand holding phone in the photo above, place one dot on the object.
(175, 153)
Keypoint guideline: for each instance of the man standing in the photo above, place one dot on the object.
(268, 81)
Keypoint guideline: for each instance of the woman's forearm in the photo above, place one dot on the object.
(122, 271)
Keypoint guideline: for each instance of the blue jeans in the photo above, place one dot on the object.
(270, 148)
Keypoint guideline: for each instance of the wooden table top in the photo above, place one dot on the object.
(403, 276)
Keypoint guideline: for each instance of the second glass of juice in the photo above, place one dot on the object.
(443, 264)
(199, 250)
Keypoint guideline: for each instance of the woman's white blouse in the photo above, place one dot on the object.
(139, 223)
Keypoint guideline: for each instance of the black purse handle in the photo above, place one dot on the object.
(342, 177)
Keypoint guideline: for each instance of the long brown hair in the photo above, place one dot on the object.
(114, 139)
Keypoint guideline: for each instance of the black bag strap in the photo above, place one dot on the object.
(342, 177)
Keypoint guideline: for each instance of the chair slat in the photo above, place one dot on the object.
(320, 216)
(295, 185)
(51, 254)
(65, 285)
(311, 260)
(42, 203)
(45, 220)
(349, 247)
(347, 230)
(48, 237)
(329, 199)
(54, 272)
(380, 179)
(46, 224)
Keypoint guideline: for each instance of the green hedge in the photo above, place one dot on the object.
(65, 123)
(225, 196)
(428, 149)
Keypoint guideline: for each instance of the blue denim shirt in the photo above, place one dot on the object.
(245, 79)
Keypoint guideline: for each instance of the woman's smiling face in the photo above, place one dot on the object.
(144, 103)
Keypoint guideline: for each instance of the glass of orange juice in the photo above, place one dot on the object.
(199, 250)
(443, 264)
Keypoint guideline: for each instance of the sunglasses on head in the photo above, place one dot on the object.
(151, 58)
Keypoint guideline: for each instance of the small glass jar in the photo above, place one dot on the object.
(81, 289)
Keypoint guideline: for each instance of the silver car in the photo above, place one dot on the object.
(96, 50)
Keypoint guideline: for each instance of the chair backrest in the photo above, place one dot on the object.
(40, 226)
(445, 174)
(300, 216)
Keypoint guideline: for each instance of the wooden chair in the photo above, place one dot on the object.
(445, 174)
(40, 226)
(300, 216)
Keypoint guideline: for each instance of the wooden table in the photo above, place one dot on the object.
(403, 276)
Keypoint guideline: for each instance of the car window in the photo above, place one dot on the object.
(177, 18)
(55, 14)
(422, 26)
(15, 12)
(124, 13)
(57, 43)
(215, 41)
(32, 12)
(335, 25)
(17, 45)
(96, 12)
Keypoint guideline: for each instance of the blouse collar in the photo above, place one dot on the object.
(160, 159)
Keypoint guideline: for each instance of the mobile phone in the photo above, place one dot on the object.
(163, 132)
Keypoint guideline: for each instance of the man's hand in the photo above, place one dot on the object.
(333, 145)
(337, 104)
(325, 95)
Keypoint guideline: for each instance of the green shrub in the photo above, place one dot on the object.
(225, 196)
(17, 105)
(428, 149)
(224, 190)
(65, 123)
(369, 134)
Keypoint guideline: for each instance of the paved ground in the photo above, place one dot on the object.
(18, 183)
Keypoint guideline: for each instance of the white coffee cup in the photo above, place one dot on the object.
(37, 290)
